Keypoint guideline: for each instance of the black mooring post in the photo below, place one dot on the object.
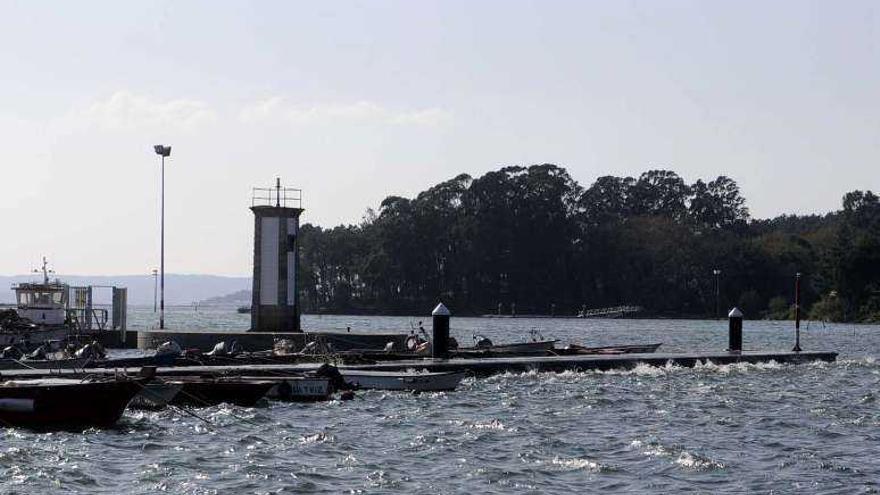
(797, 313)
(440, 344)
(735, 327)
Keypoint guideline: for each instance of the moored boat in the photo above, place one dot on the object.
(201, 391)
(403, 380)
(59, 403)
(611, 349)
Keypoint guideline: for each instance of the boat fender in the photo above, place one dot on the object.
(17, 405)
(411, 343)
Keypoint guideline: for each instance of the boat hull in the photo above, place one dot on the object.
(66, 405)
(403, 381)
(299, 388)
(202, 392)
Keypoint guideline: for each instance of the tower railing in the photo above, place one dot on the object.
(284, 197)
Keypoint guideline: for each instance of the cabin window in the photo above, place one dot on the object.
(40, 298)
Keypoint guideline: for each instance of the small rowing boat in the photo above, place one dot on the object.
(611, 349)
(413, 381)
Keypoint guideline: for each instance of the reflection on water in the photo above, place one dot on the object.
(711, 429)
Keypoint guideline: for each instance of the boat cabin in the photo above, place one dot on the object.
(54, 303)
(45, 303)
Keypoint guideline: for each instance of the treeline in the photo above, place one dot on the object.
(534, 241)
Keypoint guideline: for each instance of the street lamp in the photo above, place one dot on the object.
(155, 287)
(797, 312)
(163, 151)
(716, 272)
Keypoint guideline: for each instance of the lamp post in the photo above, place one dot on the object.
(797, 312)
(163, 151)
(716, 272)
(155, 287)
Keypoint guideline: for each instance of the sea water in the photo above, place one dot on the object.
(767, 428)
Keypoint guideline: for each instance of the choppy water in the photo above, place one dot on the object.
(731, 429)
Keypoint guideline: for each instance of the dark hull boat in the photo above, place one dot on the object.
(209, 391)
(62, 403)
(613, 349)
(540, 348)
(297, 388)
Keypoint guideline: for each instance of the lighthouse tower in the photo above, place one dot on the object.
(275, 306)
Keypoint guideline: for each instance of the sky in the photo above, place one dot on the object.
(356, 101)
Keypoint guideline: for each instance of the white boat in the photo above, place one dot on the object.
(413, 381)
(51, 310)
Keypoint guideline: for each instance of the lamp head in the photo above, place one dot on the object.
(162, 150)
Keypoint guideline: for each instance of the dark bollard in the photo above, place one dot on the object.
(440, 344)
(735, 326)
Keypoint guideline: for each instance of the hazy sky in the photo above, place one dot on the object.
(353, 102)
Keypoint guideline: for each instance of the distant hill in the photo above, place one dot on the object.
(242, 297)
(179, 289)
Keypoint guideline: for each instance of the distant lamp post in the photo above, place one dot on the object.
(162, 151)
(797, 312)
(716, 272)
(155, 287)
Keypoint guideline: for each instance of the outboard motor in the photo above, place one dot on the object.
(219, 350)
(11, 352)
(38, 354)
(98, 351)
(86, 351)
(170, 348)
(482, 342)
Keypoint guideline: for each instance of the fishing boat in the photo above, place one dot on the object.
(201, 391)
(412, 381)
(51, 310)
(61, 403)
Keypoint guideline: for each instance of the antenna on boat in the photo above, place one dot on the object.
(45, 270)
